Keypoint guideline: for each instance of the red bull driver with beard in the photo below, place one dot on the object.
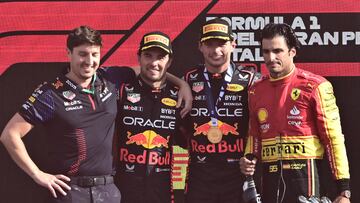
(218, 120)
(147, 124)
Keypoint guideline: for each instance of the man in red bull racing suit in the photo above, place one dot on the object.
(294, 120)
(218, 121)
(147, 124)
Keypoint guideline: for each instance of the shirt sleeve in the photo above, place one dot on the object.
(253, 141)
(120, 75)
(184, 131)
(39, 107)
(329, 127)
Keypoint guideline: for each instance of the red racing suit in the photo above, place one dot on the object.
(294, 121)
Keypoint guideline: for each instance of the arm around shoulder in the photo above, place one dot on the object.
(185, 94)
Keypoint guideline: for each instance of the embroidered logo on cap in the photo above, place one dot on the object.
(156, 38)
(215, 28)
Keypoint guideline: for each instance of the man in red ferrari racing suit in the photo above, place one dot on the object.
(294, 121)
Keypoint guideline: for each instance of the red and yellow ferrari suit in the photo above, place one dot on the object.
(294, 121)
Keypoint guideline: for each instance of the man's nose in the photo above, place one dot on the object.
(90, 59)
(217, 50)
(155, 62)
(272, 56)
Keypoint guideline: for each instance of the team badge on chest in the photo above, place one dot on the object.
(295, 94)
(234, 87)
(198, 86)
(133, 97)
(69, 95)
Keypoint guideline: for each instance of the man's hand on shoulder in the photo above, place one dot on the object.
(186, 96)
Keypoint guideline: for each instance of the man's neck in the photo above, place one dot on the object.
(283, 74)
(84, 83)
(220, 69)
(154, 85)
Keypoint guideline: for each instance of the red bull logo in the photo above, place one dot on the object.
(148, 139)
(224, 128)
(154, 157)
(221, 147)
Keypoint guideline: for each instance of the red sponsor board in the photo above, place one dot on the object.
(42, 27)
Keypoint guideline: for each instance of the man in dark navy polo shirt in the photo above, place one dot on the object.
(78, 110)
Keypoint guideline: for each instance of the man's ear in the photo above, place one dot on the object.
(292, 52)
(68, 52)
(233, 44)
(199, 45)
(170, 61)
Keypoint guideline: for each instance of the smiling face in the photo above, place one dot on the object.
(154, 63)
(279, 59)
(216, 54)
(84, 61)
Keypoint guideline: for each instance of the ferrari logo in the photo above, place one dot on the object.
(295, 93)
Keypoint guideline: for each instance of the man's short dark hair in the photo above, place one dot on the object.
(272, 30)
(83, 35)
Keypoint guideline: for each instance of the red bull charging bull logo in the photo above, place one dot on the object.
(221, 147)
(224, 128)
(148, 139)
